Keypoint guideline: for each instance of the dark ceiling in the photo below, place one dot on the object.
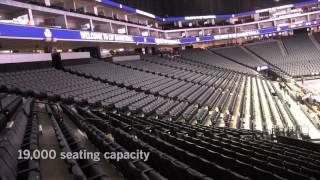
(165, 8)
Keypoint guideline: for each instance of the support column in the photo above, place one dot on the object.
(30, 15)
(95, 10)
(47, 2)
(74, 5)
(127, 29)
(256, 17)
(91, 25)
(213, 22)
(85, 9)
(111, 28)
(166, 35)
(66, 21)
(139, 32)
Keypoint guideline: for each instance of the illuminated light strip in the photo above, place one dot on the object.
(262, 10)
(225, 16)
(236, 35)
(200, 17)
(277, 8)
(244, 13)
(174, 19)
(283, 7)
(159, 18)
(290, 15)
(145, 13)
(110, 3)
(167, 41)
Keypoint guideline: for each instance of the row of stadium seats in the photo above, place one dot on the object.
(169, 89)
(301, 58)
(8, 106)
(21, 132)
(80, 168)
(239, 54)
(210, 58)
(97, 133)
(177, 150)
(138, 89)
(275, 116)
(213, 154)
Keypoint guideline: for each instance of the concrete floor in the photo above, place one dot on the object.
(301, 118)
(51, 169)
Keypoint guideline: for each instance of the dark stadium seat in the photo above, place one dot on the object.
(3, 121)
(23, 134)
(10, 104)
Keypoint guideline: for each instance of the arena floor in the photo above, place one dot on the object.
(312, 85)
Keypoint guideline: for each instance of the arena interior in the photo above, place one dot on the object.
(205, 89)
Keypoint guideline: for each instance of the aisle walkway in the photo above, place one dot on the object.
(301, 118)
